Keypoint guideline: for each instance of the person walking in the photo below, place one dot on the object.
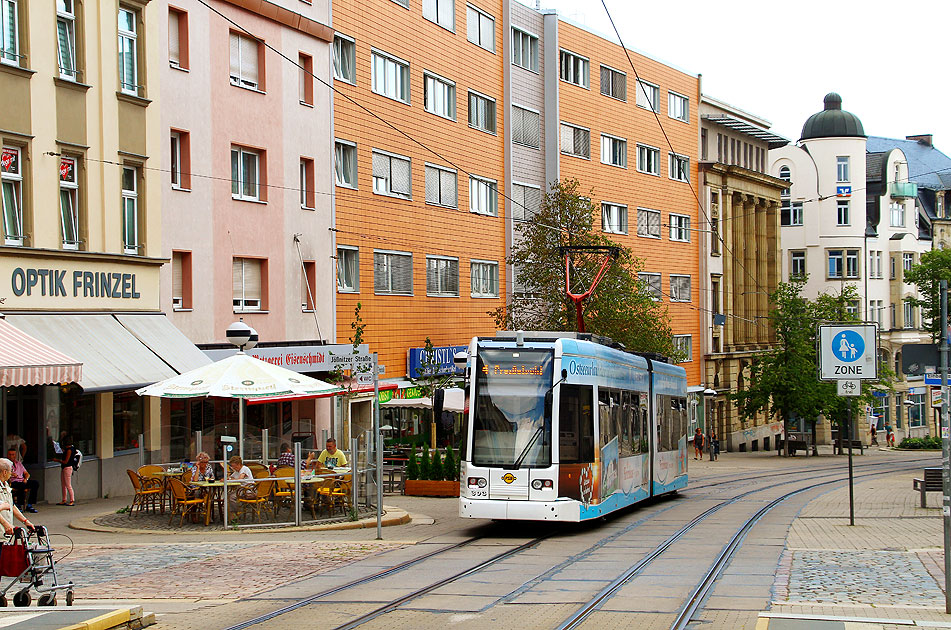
(889, 436)
(714, 446)
(873, 433)
(67, 462)
(698, 444)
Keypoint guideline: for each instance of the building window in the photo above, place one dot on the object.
(908, 315)
(9, 32)
(648, 96)
(247, 285)
(790, 213)
(679, 167)
(177, 38)
(836, 264)
(614, 218)
(574, 68)
(307, 184)
(613, 151)
(907, 261)
(851, 263)
(442, 12)
(526, 203)
(181, 176)
(130, 210)
(442, 276)
(11, 178)
(345, 163)
(613, 83)
(308, 286)
(128, 57)
(843, 263)
(916, 411)
(852, 308)
(648, 223)
(784, 173)
(524, 50)
(306, 79)
(483, 196)
(842, 212)
(715, 236)
(575, 141)
(652, 284)
(678, 106)
(897, 213)
(439, 96)
(392, 175)
(484, 279)
(392, 273)
(66, 39)
(181, 280)
(480, 28)
(245, 57)
(797, 264)
(679, 228)
(69, 201)
(842, 168)
(481, 112)
(402, 3)
(892, 270)
(875, 264)
(128, 411)
(348, 269)
(526, 127)
(245, 174)
(683, 346)
(648, 159)
(679, 288)
(390, 76)
(345, 59)
(441, 186)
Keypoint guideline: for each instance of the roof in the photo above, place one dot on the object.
(874, 163)
(832, 121)
(927, 166)
(741, 126)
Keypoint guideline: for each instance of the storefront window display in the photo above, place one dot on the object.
(128, 411)
(69, 412)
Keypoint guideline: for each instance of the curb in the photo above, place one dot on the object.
(106, 621)
(391, 516)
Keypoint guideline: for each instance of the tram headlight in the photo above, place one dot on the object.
(477, 482)
(538, 484)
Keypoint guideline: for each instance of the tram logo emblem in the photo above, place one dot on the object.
(508, 477)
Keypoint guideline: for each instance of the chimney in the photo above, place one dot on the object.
(924, 139)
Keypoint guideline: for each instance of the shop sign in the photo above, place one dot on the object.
(441, 359)
(409, 392)
(305, 358)
(843, 191)
(385, 395)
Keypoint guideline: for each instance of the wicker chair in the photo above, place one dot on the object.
(150, 471)
(183, 503)
(283, 490)
(341, 495)
(254, 498)
(147, 491)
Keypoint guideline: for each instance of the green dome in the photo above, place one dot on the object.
(833, 121)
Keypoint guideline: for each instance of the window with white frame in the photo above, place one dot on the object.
(790, 213)
(784, 173)
(613, 151)
(678, 106)
(441, 186)
(480, 28)
(574, 68)
(842, 168)
(652, 284)
(842, 212)
(679, 227)
(392, 175)
(683, 346)
(181, 280)
(526, 127)
(442, 276)
(177, 38)
(9, 32)
(679, 167)
(851, 263)
(797, 263)
(307, 186)
(897, 214)
(392, 273)
(892, 265)
(305, 74)
(245, 174)
(345, 59)
(613, 83)
(246, 284)
(843, 263)
(648, 96)
(907, 261)
(481, 112)
(390, 76)
(484, 278)
(614, 218)
(524, 50)
(69, 201)
(348, 269)
(526, 203)
(876, 311)
(852, 308)
(439, 96)
(11, 180)
(575, 141)
(66, 39)
(679, 288)
(917, 417)
(875, 264)
(245, 54)
(345, 163)
(648, 223)
(308, 286)
(648, 159)
(442, 12)
(176, 162)
(402, 3)
(483, 196)
(908, 315)
(892, 316)
(128, 57)
(130, 209)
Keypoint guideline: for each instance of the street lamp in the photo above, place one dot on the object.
(245, 337)
(708, 395)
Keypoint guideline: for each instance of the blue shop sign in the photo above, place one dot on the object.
(442, 355)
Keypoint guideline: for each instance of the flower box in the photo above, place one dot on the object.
(426, 488)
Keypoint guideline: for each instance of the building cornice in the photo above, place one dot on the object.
(288, 18)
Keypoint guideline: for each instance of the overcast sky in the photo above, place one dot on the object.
(888, 61)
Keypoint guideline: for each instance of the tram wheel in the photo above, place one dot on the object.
(22, 599)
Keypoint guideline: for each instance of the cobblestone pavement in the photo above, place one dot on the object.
(160, 522)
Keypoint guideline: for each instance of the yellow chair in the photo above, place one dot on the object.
(183, 503)
(151, 471)
(283, 490)
(147, 491)
(254, 498)
(340, 495)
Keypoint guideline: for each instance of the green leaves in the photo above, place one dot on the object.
(934, 266)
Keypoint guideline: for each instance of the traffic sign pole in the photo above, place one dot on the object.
(851, 478)
(945, 448)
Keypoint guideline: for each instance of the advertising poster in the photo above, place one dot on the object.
(609, 469)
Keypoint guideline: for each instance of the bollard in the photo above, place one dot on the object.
(141, 450)
(354, 468)
(224, 495)
(298, 496)
(264, 437)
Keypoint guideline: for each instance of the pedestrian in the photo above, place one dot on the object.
(698, 444)
(22, 485)
(67, 461)
(715, 445)
(889, 435)
(8, 510)
(874, 434)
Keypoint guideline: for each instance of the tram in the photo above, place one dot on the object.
(565, 427)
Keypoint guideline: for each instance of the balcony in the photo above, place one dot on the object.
(903, 190)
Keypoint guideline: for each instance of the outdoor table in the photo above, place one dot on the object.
(165, 475)
(213, 490)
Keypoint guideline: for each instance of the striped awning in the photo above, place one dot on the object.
(26, 361)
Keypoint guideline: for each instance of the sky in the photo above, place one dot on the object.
(888, 61)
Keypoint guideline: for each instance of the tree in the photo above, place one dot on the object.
(934, 266)
(435, 466)
(429, 378)
(620, 308)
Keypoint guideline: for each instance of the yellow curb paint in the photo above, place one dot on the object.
(103, 622)
(762, 623)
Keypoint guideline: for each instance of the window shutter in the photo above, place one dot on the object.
(432, 185)
(177, 259)
(619, 86)
(605, 81)
(381, 165)
(452, 268)
(252, 279)
(567, 139)
(447, 188)
(532, 123)
(249, 60)
(518, 124)
(380, 283)
(429, 9)
(432, 273)
(582, 142)
(237, 279)
(654, 223)
(174, 53)
(235, 55)
(401, 176)
(472, 25)
(533, 201)
(622, 218)
(518, 211)
(402, 273)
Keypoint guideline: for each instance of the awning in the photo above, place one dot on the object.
(27, 361)
(113, 357)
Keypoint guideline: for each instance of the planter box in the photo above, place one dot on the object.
(420, 488)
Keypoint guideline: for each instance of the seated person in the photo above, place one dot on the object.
(286, 458)
(238, 471)
(23, 486)
(330, 457)
(311, 462)
(9, 511)
(203, 470)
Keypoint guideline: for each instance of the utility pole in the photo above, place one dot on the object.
(945, 448)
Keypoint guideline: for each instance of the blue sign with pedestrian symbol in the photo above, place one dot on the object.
(848, 346)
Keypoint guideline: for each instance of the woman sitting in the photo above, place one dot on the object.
(203, 470)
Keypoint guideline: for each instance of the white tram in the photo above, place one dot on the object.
(563, 427)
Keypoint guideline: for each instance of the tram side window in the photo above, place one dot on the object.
(679, 430)
(609, 414)
(643, 430)
(625, 436)
(576, 425)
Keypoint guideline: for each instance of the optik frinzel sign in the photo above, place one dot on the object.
(848, 352)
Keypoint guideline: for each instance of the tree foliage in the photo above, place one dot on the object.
(620, 306)
(934, 266)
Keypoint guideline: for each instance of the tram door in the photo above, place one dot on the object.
(670, 413)
(575, 438)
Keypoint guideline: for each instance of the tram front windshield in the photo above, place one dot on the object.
(511, 428)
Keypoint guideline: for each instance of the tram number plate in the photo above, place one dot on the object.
(478, 492)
